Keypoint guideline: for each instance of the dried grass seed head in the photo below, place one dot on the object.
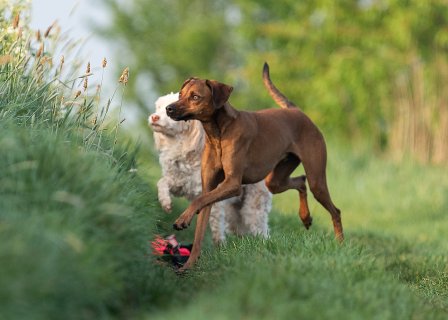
(47, 33)
(85, 83)
(124, 76)
(5, 59)
(40, 51)
(16, 20)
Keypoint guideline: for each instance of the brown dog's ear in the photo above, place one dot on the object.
(220, 92)
(186, 82)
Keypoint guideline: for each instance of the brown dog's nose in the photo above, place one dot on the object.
(155, 118)
(170, 109)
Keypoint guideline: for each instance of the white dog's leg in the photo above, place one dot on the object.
(217, 224)
(232, 217)
(163, 188)
(255, 210)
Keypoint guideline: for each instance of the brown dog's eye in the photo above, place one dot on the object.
(195, 97)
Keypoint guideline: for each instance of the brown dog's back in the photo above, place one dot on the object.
(272, 133)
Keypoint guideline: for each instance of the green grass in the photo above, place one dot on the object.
(75, 222)
(301, 276)
(75, 225)
(393, 264)
(74, 228)
(376, 195)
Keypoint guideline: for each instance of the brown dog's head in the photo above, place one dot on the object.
(199, 99)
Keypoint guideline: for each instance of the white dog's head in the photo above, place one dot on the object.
(163, 124)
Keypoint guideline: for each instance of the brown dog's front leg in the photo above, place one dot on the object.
(229, 188)
(201, 227)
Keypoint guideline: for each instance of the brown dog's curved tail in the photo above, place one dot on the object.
(278, 97)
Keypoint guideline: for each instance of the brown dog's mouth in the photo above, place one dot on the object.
(180, 117)
(178, 113)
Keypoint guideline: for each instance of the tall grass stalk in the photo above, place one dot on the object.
(33, 88)
(123, 80)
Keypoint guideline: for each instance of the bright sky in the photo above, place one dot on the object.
(75, 17)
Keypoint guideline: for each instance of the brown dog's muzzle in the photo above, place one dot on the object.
(174, 113)
(170, 109)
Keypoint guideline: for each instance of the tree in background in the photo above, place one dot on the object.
(374, 69)
(168, 41)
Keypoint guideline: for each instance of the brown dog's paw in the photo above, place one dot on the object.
(180, 226)
(184, 269)
(308, 222)
(177, 227)
(184, 220)
(340, 238)
(182, 223)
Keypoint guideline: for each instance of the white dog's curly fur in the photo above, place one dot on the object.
(180, 145)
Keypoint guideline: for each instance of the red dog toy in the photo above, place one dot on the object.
(168, 249)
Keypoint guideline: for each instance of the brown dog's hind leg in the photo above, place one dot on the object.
(320, 191)
(279, 180)
(304, 211)
(314, 159)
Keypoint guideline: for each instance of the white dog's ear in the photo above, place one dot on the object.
(220, 92)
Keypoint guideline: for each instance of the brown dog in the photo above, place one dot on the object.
(246, 147)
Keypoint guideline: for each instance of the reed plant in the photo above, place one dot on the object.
(420, 126)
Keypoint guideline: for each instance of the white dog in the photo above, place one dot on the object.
(180, 145)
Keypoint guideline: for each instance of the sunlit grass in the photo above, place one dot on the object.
(391, 266)
(76, 218)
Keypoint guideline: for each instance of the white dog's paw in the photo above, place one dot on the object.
(166, 206)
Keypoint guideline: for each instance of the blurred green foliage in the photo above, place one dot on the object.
(169, 41)
(339, 60)
(75, 218)
(73, 228)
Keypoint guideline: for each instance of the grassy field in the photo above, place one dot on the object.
(75, 221)
(75, 226)
(393, 264)
(75, 229)
(78, 207)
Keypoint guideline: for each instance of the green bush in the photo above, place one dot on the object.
(75, 218)
(74, 228)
